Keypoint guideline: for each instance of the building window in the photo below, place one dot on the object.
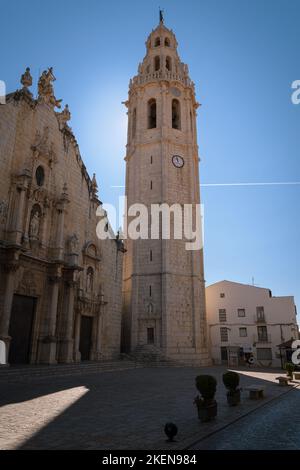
(167, 42)
(156, 63)
(176, 124)
(264, 354)
(150, 335)
(40, 176)
(151, 114)
(151, 255)
(134, 123)
(168, 63)
(150, 291)
(241, 312)
(222, 314)
(151, 185)
(224, 335)
(191, 122)
(222, 295)
(262, 333)
(151, 160)
(260, 313)
(157, 42)
(243, 332)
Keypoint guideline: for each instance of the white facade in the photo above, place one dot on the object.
(245, 319)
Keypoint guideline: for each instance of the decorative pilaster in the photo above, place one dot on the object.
(61, 207)
(16, 230)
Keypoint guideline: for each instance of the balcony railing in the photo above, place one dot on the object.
(262, 339)
(260, 319)
(161, 75)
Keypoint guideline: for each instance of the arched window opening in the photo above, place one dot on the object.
(191, 121)
(167, 42)
(157, 42)
(156, 63)
(133, 123)
(168, 63)
(40, 176)
(148, 69)
(151, 114)
(176, 124)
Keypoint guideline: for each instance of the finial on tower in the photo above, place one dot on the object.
(161, 16)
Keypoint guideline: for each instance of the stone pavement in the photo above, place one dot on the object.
(275, 426)
(120, 409)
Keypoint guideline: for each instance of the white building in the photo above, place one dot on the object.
(246, 320)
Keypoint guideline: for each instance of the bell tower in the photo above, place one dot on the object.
(164, 291)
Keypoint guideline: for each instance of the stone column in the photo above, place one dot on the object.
(47, 350)
(9, 270)
(16, 230)
(97, 353)
(67, 343)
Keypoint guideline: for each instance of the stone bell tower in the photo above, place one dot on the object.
(164, 292)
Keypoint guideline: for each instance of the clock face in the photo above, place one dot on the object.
(177, 161)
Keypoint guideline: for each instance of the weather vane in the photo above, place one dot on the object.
(161, 15)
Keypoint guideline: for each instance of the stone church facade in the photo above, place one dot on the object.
(164, 287)
(60, 289)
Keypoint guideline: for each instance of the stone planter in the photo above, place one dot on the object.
(234, 397)
(207, 411)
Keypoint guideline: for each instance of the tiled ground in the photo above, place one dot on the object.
(119, 409)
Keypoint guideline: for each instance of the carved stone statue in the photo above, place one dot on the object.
(64, 117)
(89, 281)
(26, 79)
(34, 225)
(45, 88)
(73, 244)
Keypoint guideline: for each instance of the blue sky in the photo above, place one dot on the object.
(243, 56)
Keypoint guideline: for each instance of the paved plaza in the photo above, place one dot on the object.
(127, 409)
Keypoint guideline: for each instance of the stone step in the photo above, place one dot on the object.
(15, 373)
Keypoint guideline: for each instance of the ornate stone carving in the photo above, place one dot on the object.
(42, 147)
(63, 118)
(34, 226)
(45, 88)
(94, 186)
(90, 280)
(28, 284)
(74, 244)
(26, 79)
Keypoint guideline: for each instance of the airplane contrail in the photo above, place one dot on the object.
(273, 183)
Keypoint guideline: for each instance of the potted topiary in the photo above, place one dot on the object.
(206, 404)
(289, 367)
(231, 381)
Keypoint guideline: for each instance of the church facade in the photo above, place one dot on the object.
(60, 289)
(163, 289)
